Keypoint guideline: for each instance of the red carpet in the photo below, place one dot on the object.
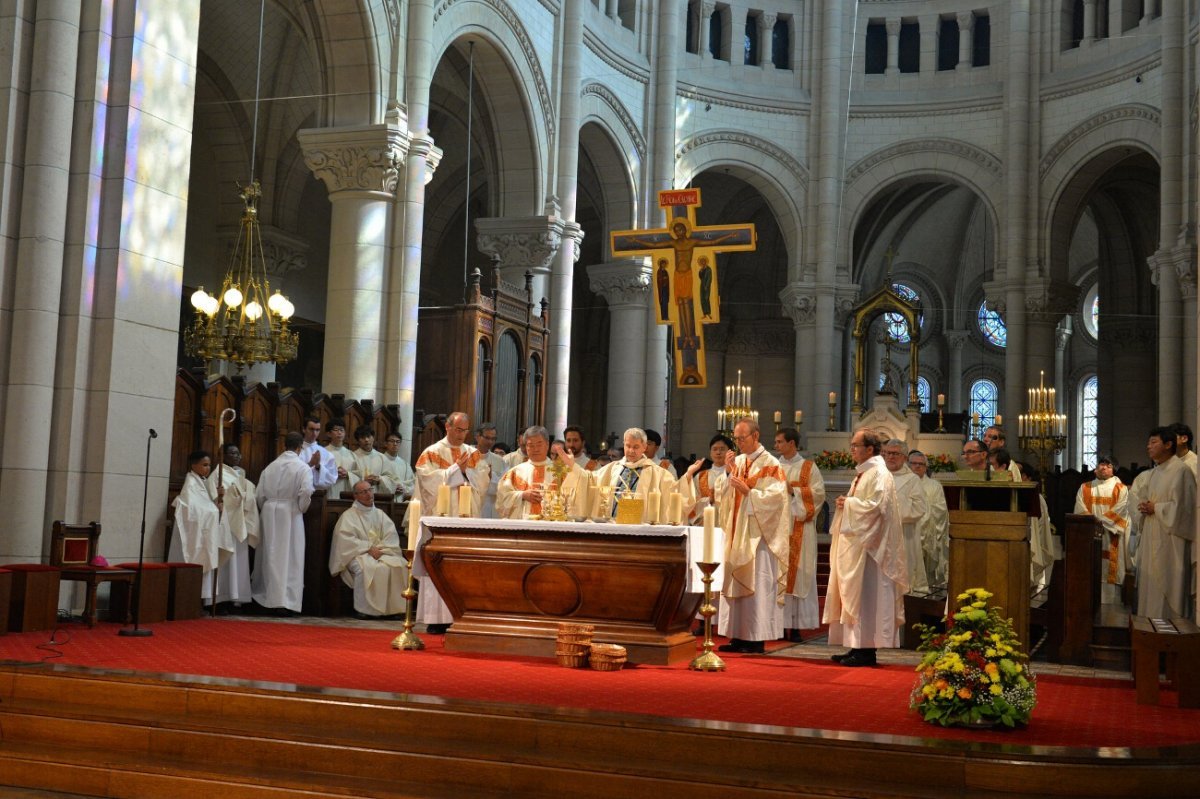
(754, 689)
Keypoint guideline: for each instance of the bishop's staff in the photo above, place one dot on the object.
(223, 420)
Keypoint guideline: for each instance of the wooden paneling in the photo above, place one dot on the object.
(990, 550)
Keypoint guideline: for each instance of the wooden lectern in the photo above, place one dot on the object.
(989, 543)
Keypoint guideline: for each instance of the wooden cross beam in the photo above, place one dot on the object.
(691, 250)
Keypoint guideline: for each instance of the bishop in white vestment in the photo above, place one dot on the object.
(638, 475)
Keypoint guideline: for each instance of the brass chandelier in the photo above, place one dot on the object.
(245, 323)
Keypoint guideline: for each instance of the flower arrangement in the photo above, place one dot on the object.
(942, 463)
(973, 673)
(833, 459)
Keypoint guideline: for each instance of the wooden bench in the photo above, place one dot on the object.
(1179, 641)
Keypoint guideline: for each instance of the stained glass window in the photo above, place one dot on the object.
(1096, 312)
(923, 394)
(1090, 310)
(991, 325)
(897, 328)
(984, 396)
(1088, 416)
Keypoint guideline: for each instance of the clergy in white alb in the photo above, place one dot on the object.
(241, 512)
(343, 458)
(719, 449)
(934, 527)
(322, 465)
(450, 462)
(653, 444)
(754, 509)
(522, 488)
(801, 609)
(911, 496)
(1167, 508)
(201, 532)
(365, 551)
(868, 575)
(284, 492)
(485, 438)
(397, 468)
(517, 455)
(1105, 499)
(370, 465)
(637, 475)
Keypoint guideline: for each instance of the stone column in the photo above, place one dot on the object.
(800, 305)
(611, 9)
(37, 283)
(625, 286)
(929, 33)
(1062, 338)
(1173, 172)
(400, 372)
(892, 25)
(955, 339)
(360, 167)
(704, 28)
(766, 33)
(1149, 12)
(966, 38)
(1127, 378)
(520, 244)
(1089, 22)
(1185, 272)
(558, 366)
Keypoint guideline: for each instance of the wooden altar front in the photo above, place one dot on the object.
(509, 584)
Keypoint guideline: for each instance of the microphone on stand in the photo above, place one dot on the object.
(137, 588)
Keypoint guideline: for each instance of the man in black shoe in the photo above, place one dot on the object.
(864, 604)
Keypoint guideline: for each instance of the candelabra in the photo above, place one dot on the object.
(1042, 431)
(737, 406)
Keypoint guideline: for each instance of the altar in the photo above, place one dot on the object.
(509, 583)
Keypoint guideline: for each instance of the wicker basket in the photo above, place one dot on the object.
(566, 648)
(570, 628)
(607, 657)
(608, 665)
(573, 661)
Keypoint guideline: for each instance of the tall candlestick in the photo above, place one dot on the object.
(414, 524)
(709, 550)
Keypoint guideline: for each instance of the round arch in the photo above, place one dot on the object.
(349, 57)
(920, 160)
(769, 169)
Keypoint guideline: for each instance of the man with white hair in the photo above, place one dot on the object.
(753, 503)
(522, 488)
(912, 508)
(637, 474)
(868, 576)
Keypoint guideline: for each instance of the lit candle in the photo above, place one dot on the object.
(778, 417)
(975, 418)
(999, 420)
(833, 398)
(443, 500)
(653, 501)
(465, 500)
(675, 505)
(941, 400)
(708, 553)
(799, 417)
(414, 524)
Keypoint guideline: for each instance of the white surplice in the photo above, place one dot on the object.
(284, 492)
(241, 510)
(1107, 501)
(1164, 560)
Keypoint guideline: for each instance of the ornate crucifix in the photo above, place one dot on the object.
(684, 257)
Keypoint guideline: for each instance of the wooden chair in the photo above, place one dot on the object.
(72, 549)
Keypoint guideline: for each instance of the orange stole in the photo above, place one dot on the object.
(796, 541)
(751, 482)
(1113, 551)
(539, 478)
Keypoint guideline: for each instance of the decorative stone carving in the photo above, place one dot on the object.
(1128, 335)
(608, 98)
(924, 147)
(1048, 303)
(1062, 335)
(764, 337)
(621, 283)
(955, 338)
(744, 139)
(356, 159)
(1116, 115)
(800, 301)
(520, 244)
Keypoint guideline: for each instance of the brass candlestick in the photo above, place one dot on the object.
(941, 428)
(832, 416)
(708, 660)
(408, 639)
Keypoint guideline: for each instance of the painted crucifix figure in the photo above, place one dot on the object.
(692, 249)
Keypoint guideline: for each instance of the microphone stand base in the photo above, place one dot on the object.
(135, 633)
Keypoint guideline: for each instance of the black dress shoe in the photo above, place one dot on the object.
(754, 647)
(734, 645)
(863, 657)
(437, 629)
(842, 656)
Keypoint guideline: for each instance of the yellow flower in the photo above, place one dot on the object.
(996, 690)
(989, 652)
(929, 691)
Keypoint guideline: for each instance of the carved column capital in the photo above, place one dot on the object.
(892, 26)
(801, 299)
(955, 339)
(1046, 302)
(1062, 334)
(521, 244)
(966, 21)
(357, 159)
(799, 304)
(1128, 335)
(622, 283)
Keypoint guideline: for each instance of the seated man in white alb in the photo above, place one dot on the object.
(370, 465)
(521, 490)
(365, 551)
(397, 468)
(201, 532)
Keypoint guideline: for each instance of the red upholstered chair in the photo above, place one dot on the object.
(72, 549)
(34, 604)
(6, 578)
(152, 603)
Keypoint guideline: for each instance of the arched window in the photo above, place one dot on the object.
(991, 325)
(897, 328)
(508, 386)
(984, 398)
(1090, 311)
(924, 392)
(1089, 412)
(483, 372)
(716, 32)
(750, 42)
(781, 45)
